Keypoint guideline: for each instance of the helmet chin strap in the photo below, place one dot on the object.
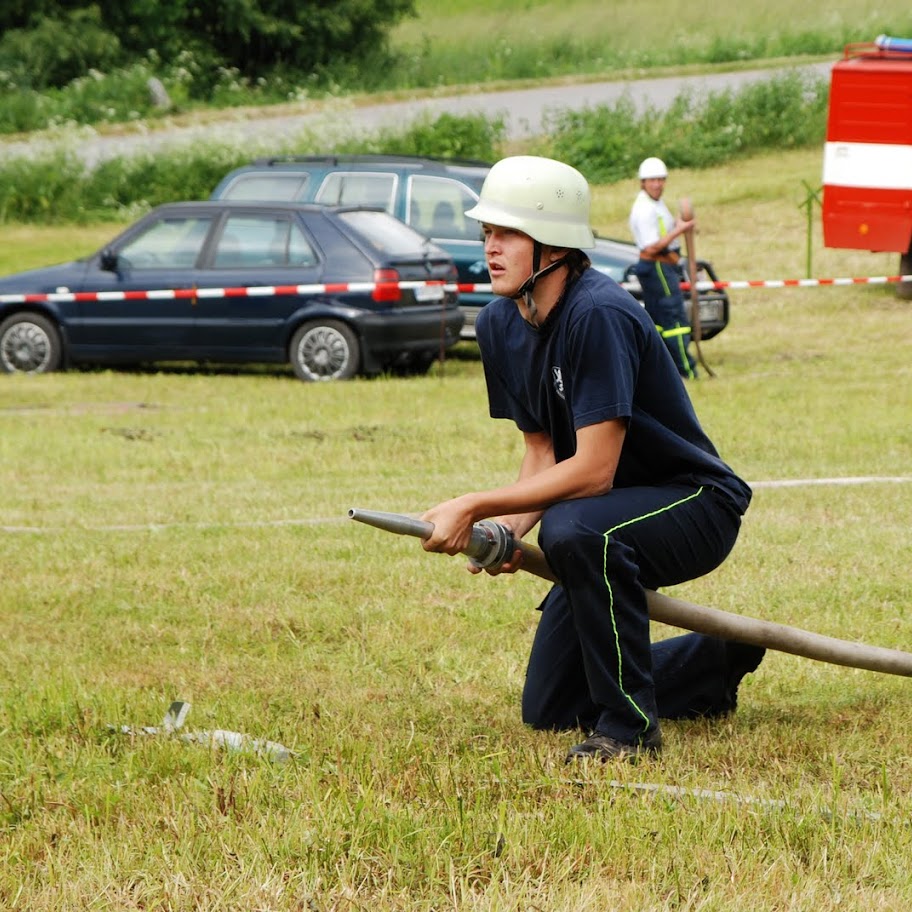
(525, 290)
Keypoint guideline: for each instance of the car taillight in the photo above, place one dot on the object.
(386, 286)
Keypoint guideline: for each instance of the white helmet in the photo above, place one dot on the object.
(541, 197)
(652, 167)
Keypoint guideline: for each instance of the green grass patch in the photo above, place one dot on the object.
(182, 534)
(468, 42)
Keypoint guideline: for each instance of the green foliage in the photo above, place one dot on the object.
(126, 184)
(23, 110)
(253, 37)
(445, 136)
(40, 188)
(241, 52)
(122, 95)
(115, 97)
(58, 50)
(608, 141)
(57, 187)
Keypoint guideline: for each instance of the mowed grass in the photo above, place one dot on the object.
(468, 41)
(183, 534)
(638, 26)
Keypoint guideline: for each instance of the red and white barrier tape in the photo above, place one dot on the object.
(758, 283)
(253, 291)
(260, 291)
(799, 283)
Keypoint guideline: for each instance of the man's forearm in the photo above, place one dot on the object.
(538, 456)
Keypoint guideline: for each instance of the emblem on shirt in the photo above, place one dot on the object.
(558, 380)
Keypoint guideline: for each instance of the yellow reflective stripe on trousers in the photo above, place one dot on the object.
(617, 640)
(677, 331)
(662, 279)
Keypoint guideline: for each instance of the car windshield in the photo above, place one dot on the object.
(385, 233)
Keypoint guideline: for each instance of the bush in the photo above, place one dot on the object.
(607, 142)
(48, 44)
(39, 189)
(124, 186)
(58, 188)
(446, 136)
(57, 51)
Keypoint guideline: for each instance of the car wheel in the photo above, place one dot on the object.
(29, 344)
(326, 350)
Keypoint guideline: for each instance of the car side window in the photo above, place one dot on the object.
(437, 206)
(171, 243)
(359, 188)
(255, 241)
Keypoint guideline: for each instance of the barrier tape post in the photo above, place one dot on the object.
(809, 200)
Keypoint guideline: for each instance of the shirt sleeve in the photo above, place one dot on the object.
(644, 224)
(603, 358)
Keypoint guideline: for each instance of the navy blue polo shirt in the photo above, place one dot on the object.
(598, 357)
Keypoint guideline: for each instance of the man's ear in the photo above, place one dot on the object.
(556, 253)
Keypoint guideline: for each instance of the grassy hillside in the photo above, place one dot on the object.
(469, 41)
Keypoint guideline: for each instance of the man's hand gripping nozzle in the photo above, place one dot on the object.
(491, 543)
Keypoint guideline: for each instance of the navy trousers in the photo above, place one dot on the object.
(592, 664)
(665, 305)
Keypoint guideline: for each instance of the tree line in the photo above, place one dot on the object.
(48, 44)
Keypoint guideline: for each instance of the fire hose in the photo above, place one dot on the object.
(687, 213)
(492, 544)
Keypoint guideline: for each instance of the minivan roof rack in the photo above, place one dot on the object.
(372, 157)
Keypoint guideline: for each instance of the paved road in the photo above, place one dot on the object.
(524, 111)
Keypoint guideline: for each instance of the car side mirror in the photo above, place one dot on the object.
(108, 260)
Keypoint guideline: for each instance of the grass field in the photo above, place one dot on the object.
(467, 41)
(625, 23)
(182, 534)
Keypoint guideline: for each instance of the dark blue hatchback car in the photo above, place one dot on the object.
(334, 291)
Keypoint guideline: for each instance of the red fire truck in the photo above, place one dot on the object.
(867, 162)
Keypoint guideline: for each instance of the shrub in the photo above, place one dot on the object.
(56, 50)
(607, 142)
(121, 186)
(38, 189)
(58, 188)
(446, 136)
